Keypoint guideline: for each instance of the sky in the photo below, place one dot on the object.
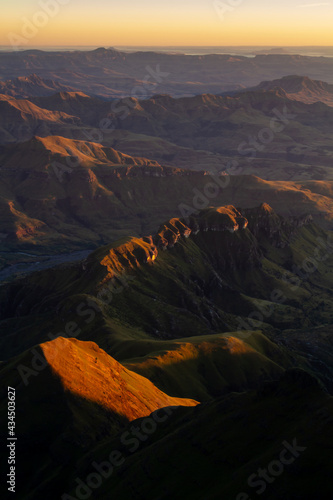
(166, 23)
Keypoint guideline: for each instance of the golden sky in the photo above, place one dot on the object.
(175, 22)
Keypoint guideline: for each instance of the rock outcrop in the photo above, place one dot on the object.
(263, 221)
(239, 253)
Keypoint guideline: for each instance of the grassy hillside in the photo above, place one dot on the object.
(210, 309)
(208, 275)
(217, 450)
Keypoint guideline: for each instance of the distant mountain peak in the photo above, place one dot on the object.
(100, 49)
(300, 88)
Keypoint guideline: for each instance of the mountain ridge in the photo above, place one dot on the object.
(207, 310)
(57, 205)
(31, 85)
(206, 132)
(301, 88)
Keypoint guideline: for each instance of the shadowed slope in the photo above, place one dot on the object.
(227, 448)
(209, 366)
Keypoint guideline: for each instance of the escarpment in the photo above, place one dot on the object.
(236, 248)
(212, 219)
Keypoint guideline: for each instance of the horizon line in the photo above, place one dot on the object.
(185, 46)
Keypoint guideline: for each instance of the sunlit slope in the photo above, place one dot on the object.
(72, 395)
(31, 85)
(20, 119)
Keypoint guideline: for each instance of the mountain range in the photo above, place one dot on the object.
(59, 194)
(267, 133)
(196, 312)
(113, 74)
(166, 269)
